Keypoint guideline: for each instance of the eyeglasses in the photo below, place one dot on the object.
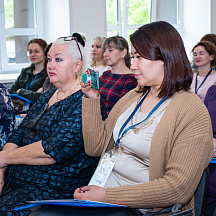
(70, 38)
(33, 51)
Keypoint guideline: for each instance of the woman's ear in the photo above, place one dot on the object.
(211, 57)
(78, 65)
(124, 53)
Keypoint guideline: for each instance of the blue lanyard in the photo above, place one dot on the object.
(28, 85)
(196, 89)
(121, 134)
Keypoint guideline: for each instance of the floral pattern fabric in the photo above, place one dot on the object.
(7, 116)
(60, 129)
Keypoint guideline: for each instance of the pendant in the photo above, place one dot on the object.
(136, 131)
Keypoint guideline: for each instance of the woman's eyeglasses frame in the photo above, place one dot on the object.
(33, 51)
(70, 38)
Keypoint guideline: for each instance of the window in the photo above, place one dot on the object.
(21, 22)
(125, 16)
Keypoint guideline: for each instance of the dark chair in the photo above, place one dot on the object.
(199, 201)
(201, 193)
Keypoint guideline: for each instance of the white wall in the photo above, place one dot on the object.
(195, 21)
(56, 19)
(63, 18)
(166, 10)
(213, 16)
(88, 17)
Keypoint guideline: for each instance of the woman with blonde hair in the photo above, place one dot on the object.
(97, 61)
(45, 157)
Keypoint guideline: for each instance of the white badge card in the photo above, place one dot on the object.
(104, 169)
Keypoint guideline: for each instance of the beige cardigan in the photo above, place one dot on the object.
(181, 149)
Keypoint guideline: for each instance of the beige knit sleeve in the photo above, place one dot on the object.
(94, 132)
(186, 146)
(98, 134)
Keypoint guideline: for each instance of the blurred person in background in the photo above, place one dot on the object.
(32, 78)
(97, 61)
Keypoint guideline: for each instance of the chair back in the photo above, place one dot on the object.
(199, 201)
(201, 194)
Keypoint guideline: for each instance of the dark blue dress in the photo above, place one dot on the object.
(210, 102)
(7, 116)
(60, 129)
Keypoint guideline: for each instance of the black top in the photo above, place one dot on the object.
(29, 84)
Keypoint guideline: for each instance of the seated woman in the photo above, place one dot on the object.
(116, 83)
(7, 117)
(45, 157)
(158, 146)
(204, 60)
(97, 61)
(32, 78)
(210, 102)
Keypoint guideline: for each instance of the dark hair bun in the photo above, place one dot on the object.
(79, 38)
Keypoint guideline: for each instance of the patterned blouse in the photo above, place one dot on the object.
(60, 129)
(7, 116)
(115, 86)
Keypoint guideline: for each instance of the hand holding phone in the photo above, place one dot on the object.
(93, 77)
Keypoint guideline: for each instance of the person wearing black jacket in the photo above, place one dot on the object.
(32, 78)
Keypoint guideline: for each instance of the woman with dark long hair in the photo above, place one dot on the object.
(157, 138)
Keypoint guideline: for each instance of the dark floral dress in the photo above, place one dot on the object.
(60, 129)
(7, 116)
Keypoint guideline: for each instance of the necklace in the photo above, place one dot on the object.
(123, 131)
(150, 120)
(70, 93)
(136, 130)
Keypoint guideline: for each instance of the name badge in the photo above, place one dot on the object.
(104, 169)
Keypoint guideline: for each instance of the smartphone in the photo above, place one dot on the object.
(93, 77)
